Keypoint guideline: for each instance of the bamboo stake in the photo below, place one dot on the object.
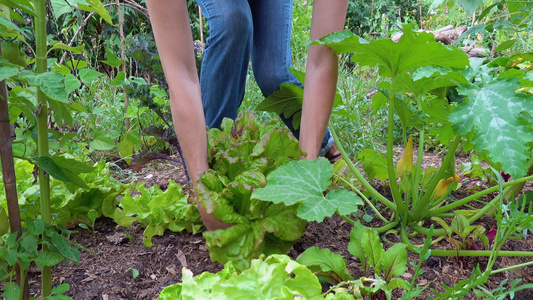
(42, 129)
(201, 28)
(10, 182)
(123, 57)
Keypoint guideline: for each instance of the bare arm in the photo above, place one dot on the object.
(321, 75)
(172, 32)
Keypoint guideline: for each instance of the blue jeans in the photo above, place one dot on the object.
(240, 30)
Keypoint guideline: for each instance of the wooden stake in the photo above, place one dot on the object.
(10, 182)
(123, 57)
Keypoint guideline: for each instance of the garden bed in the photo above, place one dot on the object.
(119, 253)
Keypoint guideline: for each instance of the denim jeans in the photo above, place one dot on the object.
(240, 30)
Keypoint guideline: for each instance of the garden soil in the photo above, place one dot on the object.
(117, 253)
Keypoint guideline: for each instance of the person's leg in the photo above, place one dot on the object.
(226, 58)
(271, 52)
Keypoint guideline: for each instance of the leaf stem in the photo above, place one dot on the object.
(365, 199)
(395, 190)
(358, 174)
(477, 195)
(438, 252)
(422, 205)
(511, 267)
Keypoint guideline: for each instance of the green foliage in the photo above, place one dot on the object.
(158, 210)
(326, 265)
(366, 245)
(304, 182)
(70, 203)
(381, 17)
(272, 277)
(507, 131)
(28, 249)
(241, 155)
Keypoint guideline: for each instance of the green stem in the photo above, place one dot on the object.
(23, 281)
(42, 128)
(364, 199)
(345, 218)
(436, 252)
(475, 196)
(425, 231)
(373, 192)
(512, 267)
(395, 190)
(423, 204)
(415, 183)
(387, 227)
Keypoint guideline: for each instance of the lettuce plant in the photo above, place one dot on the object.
(158, 210)
(241, 156)
(272, 277)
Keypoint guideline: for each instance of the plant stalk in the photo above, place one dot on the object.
(364, 199)
(437, 252)
(373, 192)
(424, 201)
(511, 267)
(42, 129)
(475, 196)
(395, 190)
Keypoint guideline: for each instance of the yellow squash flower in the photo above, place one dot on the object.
(405, 165)
(443, 184)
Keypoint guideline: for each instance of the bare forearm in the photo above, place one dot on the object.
(170, 24)
(321, 75)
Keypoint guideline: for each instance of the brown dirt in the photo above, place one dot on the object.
(107, 273)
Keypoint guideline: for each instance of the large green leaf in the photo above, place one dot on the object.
(98, 7)
(374, 164)
(493, 111)
(372, 247)
(52, 84)
(413, 50)
(303, 182)
(60, 7)
(102, 140)
(7, 72)
(394, 261)
(287, 100)
(470, 6)
(437, 112)
(88, 75)
(325, 264)
(49, 165)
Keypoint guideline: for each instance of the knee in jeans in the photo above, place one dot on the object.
(235, 25)
(269, 79)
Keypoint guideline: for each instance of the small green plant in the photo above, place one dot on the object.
(27, 249)
(134, 272)
(364, 244)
